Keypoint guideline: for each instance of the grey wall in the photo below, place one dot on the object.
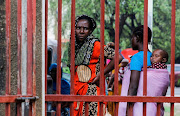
(2, 53)
(2, 47)
(39, 70)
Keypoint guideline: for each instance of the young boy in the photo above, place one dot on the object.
(158, 59)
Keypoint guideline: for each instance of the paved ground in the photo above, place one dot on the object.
(176, 105)
(167, 105)
(176, 109)
(176, 91)
(167, 110)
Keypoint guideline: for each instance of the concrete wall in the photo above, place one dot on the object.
(2, 47)
(2, 53)
(39, 39)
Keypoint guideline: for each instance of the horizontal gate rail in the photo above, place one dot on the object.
(113, 98)
(11, 98)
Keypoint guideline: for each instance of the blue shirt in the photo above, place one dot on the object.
(137, 61)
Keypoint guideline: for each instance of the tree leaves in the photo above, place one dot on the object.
(131, 15)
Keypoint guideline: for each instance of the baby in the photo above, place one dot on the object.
(158, 59)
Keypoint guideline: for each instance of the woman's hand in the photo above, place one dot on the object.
(96, 79)
(111, 45)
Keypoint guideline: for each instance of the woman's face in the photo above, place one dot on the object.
(82, 30)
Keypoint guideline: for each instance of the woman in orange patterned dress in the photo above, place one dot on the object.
(87, 64)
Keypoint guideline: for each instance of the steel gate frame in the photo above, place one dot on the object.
(31, 93)
(114, 98)
(30, 98)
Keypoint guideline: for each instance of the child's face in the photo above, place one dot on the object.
(156, 56)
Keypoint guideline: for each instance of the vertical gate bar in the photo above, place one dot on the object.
(46, 34)
(58, 88)
(102, 55)
(19, 39)
(130, 113)
(101, 112)
(116, 47)
(58, 109)
(173, 20)
(19, 33)
(73, 4)
(145, 47)
(59, 47)
(173, 45)
(46, 29)
(34, 46)
(144, 108)
(34, 56)
(172, 109)
(8, 53)
(29, 51)
(86, 109)
(116, 109)
(102, 48)
(29, 46)
(158, 109)
(116, 88)
(30, 109)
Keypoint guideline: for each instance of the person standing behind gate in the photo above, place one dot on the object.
(132, 83)
(87, 64)
(136, 66)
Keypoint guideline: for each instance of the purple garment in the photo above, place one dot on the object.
(157, 85)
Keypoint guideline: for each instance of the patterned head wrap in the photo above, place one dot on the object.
(91, 21)
(83, 51)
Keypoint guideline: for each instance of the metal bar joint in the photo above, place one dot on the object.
(24, 99)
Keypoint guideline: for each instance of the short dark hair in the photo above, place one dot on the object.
(91, 21)
(138, 32)
(165, 54)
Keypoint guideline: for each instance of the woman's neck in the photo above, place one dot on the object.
(140, 47)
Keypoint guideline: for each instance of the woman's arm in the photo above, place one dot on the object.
(134, 82)
(133, 86)
(108, 68)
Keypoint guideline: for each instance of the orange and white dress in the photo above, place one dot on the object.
(83, 86)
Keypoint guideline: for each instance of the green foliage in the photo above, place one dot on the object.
(131, 15)
(162, 27)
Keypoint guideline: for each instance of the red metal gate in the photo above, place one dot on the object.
(30, 98)
(31, 86)
(115, 98)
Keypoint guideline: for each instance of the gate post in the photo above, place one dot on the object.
(14, 30)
